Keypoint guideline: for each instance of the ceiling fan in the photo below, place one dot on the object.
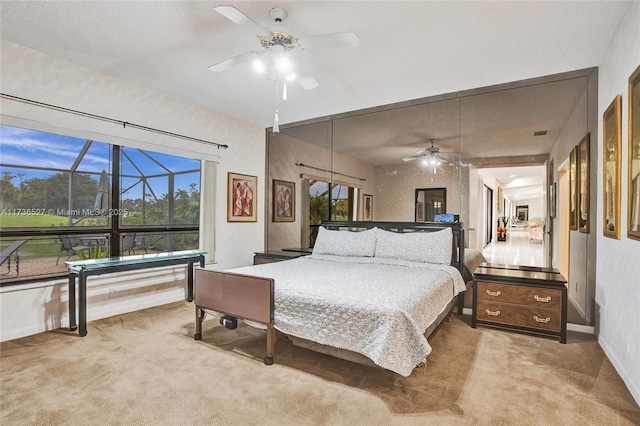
(276, 60)
(429, 156)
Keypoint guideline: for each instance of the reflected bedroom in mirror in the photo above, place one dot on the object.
(471, 157)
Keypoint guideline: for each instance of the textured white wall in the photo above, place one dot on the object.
(396, 185)
(582, 246)
(284, 153)
(618, 268)
(29, 74)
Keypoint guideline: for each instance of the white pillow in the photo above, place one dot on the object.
(426, 247)
(345, 243)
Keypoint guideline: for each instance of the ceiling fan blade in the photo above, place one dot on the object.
(304, 77)
(241, 19)
(409, 158)
(236, 60)
(349, 39)
(307, 81)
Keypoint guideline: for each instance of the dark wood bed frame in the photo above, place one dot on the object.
(237, 296)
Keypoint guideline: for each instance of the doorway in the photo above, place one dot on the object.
(429, 203)
(522, 213)
(488, 215)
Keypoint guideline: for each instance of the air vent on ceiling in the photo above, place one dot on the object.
(540, 133)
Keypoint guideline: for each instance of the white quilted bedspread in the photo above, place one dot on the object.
(379, 308)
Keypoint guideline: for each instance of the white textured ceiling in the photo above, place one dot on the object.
(408, 49)
(518, 183)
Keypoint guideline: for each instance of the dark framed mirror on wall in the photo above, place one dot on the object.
(429, 203)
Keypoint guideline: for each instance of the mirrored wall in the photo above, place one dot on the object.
(369, 164)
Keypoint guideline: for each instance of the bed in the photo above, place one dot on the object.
(370, 292)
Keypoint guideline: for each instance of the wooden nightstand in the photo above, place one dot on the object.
(261, 257)
(521, 298)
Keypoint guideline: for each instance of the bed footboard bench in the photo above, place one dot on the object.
(235, 296)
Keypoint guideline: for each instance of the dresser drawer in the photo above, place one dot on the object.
(541, 319)
(546, 298)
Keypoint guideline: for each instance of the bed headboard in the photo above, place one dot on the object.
(457, 248)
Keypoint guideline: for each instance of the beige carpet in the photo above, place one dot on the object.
(145, 368)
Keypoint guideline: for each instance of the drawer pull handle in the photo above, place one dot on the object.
(542, 299)
(493, 293)
(544, 320)
(492, 313)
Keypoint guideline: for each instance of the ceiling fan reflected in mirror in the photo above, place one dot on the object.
(276, 60)
(429, 156)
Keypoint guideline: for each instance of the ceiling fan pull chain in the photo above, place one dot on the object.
(276, 127)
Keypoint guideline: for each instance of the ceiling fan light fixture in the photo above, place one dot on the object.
(276, 41)
(259, 66)
(283, 65)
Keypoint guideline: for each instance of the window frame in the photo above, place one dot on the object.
(352, 196)
(115, 230)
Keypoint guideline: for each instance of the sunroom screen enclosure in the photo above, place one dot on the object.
(68, 198)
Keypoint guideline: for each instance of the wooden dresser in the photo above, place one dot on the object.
(520, 298)
(275, 256)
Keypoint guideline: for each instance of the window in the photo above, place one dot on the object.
(57, 202)
(324, 204)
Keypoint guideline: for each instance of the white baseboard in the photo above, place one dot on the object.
(626, 378)
(587, 329)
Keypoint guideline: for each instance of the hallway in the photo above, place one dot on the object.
(517, 250)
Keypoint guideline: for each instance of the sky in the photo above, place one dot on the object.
(23, 147)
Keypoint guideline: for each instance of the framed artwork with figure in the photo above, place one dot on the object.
(583, 184)
(367, 207)
(633, 195)
(284, 201)
(242, 198)
(573, 189)
(612, 157)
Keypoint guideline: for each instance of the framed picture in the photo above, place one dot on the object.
(583, 184)
(612, 144)
(552, 200)
(241, 198)
(633, 200)
(573, 189)
(284, 201)
(367, 207)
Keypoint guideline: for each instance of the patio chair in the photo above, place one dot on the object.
(129, 243)
(67, 247)
(144, 243)
(12, 250)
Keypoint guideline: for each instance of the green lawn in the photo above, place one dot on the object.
(31, 221)
(37, 247)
